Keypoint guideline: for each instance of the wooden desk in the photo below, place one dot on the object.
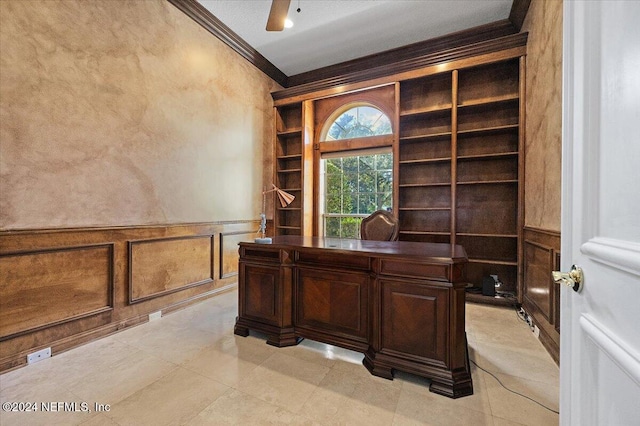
(400, 303)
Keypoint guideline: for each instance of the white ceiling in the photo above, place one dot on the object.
(328, 32)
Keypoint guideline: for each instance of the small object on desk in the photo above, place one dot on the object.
(262, 230)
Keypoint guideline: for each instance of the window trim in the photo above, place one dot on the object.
(343, 145)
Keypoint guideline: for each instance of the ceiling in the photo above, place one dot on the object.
(328, 32)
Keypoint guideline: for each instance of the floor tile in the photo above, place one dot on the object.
(283, 380)
(121, 379)
(347, 397)
(189, 367)
(183, 394)
(237, 408)
(231, 359)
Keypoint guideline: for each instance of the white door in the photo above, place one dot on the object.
(600, 325)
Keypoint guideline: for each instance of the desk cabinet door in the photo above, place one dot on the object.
(414, 321)
(260, 296)
(335, 302)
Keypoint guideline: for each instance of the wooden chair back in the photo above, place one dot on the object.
(380, 226)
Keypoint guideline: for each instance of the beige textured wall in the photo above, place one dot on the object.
(125, 113)
(544, 114)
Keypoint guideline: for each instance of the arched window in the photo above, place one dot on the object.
(355, 176)
(358, 121)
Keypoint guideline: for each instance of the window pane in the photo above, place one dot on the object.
(384, 162)
(367, 163)
(350, 164)
(384, 181)
(367, 182)
(367, 204)
(334, 165)
(350, 203)
(350, 227)
(355, 187)
(332, 227)
(358, 122)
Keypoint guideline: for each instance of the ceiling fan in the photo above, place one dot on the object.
(278, 14)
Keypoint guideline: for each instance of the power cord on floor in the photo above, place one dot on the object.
(512, 391)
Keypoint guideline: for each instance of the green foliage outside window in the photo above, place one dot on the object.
(359, 122)
(355, 187)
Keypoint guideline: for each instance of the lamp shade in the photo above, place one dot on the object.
(284, 197)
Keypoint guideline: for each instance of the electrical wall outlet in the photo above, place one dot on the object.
(39, 356)
(155, 315)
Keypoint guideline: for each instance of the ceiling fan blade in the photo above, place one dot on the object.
(277, 15)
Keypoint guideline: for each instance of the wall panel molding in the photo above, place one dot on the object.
(541, 297)
(162, 266)
(229, 251)
(88, 278)
(53, 286)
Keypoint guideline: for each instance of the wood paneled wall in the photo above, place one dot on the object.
(63, 288)
(541, 296)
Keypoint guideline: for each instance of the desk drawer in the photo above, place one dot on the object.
(333, 259)
(260, 253)
(436, 272)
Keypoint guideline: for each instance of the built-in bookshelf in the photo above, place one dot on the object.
(459, 177)
(291, 151)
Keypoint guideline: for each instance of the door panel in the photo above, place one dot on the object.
(600, 339)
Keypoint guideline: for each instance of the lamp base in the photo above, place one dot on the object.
(265, 240)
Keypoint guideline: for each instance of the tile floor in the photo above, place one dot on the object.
(189, 368)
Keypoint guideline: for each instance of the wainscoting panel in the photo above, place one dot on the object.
(541, 297)
(167, 265)
(61, 288)
(53, 286)
(229, 251)
(539, 260)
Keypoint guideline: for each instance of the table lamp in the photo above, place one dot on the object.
(285, 199)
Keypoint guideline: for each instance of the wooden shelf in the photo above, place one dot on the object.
(290, 157)
(290, 171)
(289, 208)
(419, 138)
(490, 100)
(471, 234)
(492, 129)
(405, 232)
(419, 185)
(425, 111)
(488, 156)
(288, 227)
(488, 182)
(426, 160)
(422, 209)
(290, 132)
(490, 300)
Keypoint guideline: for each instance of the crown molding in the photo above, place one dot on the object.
(519, 10)
(391, 57)
(206, 20)
(412, 63)
(458, 45)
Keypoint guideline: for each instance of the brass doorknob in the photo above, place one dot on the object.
(573, 278)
